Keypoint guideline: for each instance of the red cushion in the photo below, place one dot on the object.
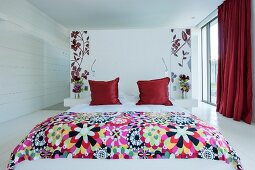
(154, 92)
(104, 92)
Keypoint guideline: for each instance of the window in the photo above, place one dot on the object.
(209, 61)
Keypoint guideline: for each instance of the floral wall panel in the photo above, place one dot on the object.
(180, 59)
(79, 53)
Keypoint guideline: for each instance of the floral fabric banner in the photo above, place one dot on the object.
(79, 52)
(180, 59)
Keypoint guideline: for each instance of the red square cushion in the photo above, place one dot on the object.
(104, 92)
(154, 92)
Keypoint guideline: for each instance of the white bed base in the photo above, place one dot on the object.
(120, 164)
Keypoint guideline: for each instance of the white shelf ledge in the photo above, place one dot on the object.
(70, 102)
(186, 103)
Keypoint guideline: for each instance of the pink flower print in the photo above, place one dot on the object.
(116, 136)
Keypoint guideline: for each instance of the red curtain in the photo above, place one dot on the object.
(234, 86)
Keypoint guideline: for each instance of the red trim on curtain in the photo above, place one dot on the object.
(234, 85)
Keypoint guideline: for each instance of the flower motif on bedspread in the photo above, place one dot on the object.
(81, 117)
(144, 153)
(116, 135)
(124, 135)
(113, 114)
(59, 154)
(119, 121)
(82, 138)
(38, 140)
(182, 139)
(55, 135)
(152, 136)
(158, 118)
(208, 152)
(134, 139)
(163, 155)
(139, 119)
(180, 119)
(121, 152)
(215, 139)
(100, 119)
(102, 153)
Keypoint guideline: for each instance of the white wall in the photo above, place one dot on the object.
(253, 56)
(131, 55)
(34, 60)
(195, 66)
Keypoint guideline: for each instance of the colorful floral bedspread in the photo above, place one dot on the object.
(125, 135)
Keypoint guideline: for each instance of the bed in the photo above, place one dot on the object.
(126, 137)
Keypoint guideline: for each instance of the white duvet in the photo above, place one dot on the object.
(128, 104)
(126, 107)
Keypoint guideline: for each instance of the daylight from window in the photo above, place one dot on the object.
(214, 59)
(210, 61)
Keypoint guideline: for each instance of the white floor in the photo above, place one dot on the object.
(240, 135)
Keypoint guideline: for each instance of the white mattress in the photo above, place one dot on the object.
(73, 164)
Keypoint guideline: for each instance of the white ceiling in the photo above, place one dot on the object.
(121, 14)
